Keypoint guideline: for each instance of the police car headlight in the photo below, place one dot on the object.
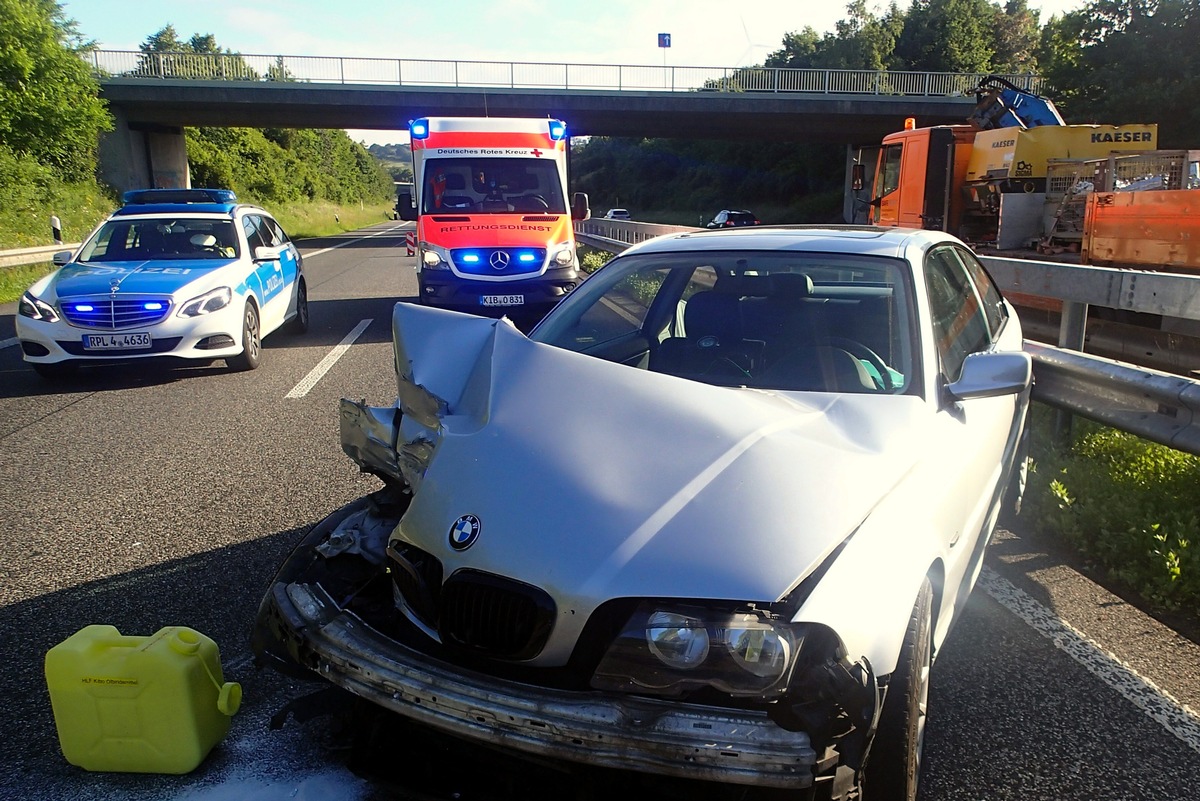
(670, 649)
(36, 309)
(207, 303)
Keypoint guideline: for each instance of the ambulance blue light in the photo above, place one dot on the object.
(84, 307)
(558, 129)
(153, 305)
(471, 258)
(526, 257)
(419, 129)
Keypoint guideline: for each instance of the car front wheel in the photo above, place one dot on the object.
(251, 355)
(894, 765)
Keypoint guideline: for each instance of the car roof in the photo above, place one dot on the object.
(187, 202)
(861, 239)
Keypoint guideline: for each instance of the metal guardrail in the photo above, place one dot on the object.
(1157, 406)
(37, 255)
(532, 75)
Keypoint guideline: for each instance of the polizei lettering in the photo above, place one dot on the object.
(1123, 136)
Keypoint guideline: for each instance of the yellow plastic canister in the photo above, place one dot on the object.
(139, 704)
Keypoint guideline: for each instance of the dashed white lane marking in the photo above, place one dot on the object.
(352, 241)
(8, 343)
(1177, 718)
(315, 375)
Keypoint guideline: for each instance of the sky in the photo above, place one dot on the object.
(704, 33)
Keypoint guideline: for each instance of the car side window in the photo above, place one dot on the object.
(960, 327)
(272, 232)
(253, 237)
(993, 303)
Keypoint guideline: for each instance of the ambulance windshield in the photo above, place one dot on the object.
(492, 186)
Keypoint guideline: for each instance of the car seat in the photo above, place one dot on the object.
(714, 345)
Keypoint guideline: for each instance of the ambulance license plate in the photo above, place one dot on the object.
(133, 340)
(502, 300)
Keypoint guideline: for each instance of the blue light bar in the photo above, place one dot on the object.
(84, 307)
(558, 129)
(471, 258)
(418, 129)
(140, 197)
(153, 305)
(526, 257)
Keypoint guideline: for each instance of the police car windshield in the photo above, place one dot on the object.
(160, 239)
(492, 186)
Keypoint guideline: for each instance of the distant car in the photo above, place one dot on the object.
(184, 273)
(726, 218)
(617, 214)
(740, 570)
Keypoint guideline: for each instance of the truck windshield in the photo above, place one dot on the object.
(492, 186)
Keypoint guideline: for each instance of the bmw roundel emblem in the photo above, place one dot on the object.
(464, 532)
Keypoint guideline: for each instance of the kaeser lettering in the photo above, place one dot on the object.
(1123, 136)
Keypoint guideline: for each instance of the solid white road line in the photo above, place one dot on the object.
(8, 343)
(315, 375)
(1157, 703)
(352, 241)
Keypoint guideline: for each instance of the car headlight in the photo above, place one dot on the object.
(565, 256)
(669, 649)
(36, 309)
(433, 257)
(209, 302)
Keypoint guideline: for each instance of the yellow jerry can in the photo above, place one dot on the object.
(153, 704)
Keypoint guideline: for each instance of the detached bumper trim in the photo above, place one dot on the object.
(628, 733)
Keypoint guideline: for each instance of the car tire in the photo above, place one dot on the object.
(299, 323)
(56, 371)
(251, 355)
(894, 766)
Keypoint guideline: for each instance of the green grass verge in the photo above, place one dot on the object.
(1130, 508)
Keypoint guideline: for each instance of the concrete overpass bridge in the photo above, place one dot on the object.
(153, 96)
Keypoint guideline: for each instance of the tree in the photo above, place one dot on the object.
(1015, 34)
(1127, 61)
(50, 108)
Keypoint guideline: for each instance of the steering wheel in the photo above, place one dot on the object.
(860, 351)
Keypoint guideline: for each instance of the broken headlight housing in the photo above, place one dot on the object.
(673, 649)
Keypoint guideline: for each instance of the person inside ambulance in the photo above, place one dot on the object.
(437, 186)
(492, 188)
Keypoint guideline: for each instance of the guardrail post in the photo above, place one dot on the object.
(1072, 333)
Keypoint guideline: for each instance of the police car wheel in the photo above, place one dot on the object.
(299, 323)
(251, 355)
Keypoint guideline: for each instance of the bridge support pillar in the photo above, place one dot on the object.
(143, 156)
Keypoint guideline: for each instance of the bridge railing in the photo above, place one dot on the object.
(1157, 406)
(530, 75)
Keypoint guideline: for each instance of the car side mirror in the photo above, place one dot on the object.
(857, 177)
(267, 253)
(991, 375)
(405, 207)
(580, 210)
(61, 257)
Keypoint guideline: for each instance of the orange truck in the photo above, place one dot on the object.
(494, 228)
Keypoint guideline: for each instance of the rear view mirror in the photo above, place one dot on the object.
(579, 207)
(405, 207)
(857, 177)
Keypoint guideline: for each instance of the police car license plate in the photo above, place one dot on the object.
(132, 340)
(502, 300)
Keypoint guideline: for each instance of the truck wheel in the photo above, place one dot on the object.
(894, 765)
(251, 355)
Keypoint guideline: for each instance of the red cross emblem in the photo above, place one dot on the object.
(537, 153)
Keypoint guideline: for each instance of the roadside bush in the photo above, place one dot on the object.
(1130, 507)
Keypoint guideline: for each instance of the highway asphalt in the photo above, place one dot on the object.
(142, 498)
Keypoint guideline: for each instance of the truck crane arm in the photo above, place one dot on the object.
(1000, 104)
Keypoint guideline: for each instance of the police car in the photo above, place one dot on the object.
(184, 273)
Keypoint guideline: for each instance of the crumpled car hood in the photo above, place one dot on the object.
(594, 480)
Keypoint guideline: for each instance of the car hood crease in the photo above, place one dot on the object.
(595, 480)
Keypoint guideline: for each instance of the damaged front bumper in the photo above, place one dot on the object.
(300, 623)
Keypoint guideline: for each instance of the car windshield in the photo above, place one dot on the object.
(492, 186)
(741, 216)
(767, 319)
(162, 238)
